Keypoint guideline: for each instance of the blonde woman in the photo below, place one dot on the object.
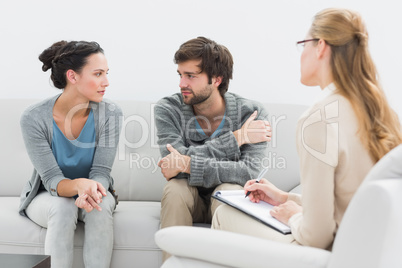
(339, 138)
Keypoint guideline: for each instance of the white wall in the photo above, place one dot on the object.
(140, 38)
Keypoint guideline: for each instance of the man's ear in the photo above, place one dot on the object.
(322, 48)
(71, 76)
(216, 81)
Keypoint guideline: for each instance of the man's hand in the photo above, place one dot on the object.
(174, 163)
(253, 131)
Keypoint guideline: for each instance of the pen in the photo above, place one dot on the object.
(262, 173)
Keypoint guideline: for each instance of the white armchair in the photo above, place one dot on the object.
(370, 234)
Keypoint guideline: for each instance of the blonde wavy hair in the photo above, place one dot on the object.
(355, 77)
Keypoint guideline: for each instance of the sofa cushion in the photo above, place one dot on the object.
(21, 236)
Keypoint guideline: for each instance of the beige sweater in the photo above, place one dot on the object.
(333, 163)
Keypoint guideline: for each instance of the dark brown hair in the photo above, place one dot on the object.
(216, 60)
(63, 56)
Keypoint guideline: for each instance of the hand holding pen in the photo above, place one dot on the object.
(262, 173)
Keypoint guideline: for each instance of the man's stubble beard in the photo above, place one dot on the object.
(200, 97)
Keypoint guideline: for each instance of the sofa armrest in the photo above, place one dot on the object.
(236, 250)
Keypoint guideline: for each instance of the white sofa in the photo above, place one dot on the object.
(369, 236)
(138, 181)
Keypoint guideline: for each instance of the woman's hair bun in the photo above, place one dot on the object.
(48, 55)
(63, 56)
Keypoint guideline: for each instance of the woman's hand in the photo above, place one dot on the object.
(93, 192)
(285, 211)
(82, 202)
(265, 191)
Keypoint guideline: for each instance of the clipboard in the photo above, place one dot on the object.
(259, 211)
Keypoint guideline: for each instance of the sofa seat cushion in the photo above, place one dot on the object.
(19, 234)
(134, 227)
(135, 224)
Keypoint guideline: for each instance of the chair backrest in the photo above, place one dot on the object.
(370, 234)
(282, 158)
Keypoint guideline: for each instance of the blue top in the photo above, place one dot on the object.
(75, 157)
(216, 132)
(37, 131)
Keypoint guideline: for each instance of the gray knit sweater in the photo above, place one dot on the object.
(37, 131)
(213, 160)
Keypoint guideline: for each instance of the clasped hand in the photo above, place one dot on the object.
(90, 194)
(267, 192)
(174, 163)
(253, 131)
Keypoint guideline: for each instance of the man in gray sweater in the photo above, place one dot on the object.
(209, 139)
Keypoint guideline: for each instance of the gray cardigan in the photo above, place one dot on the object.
(213, 160)
(37, 131)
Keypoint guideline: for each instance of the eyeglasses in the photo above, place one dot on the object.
(300, 44)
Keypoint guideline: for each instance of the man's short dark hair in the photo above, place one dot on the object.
(216, 59)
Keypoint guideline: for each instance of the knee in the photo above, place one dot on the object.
(63, 210)
(221, 212)
(177, 191)
(229, 186)
(108, 204)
